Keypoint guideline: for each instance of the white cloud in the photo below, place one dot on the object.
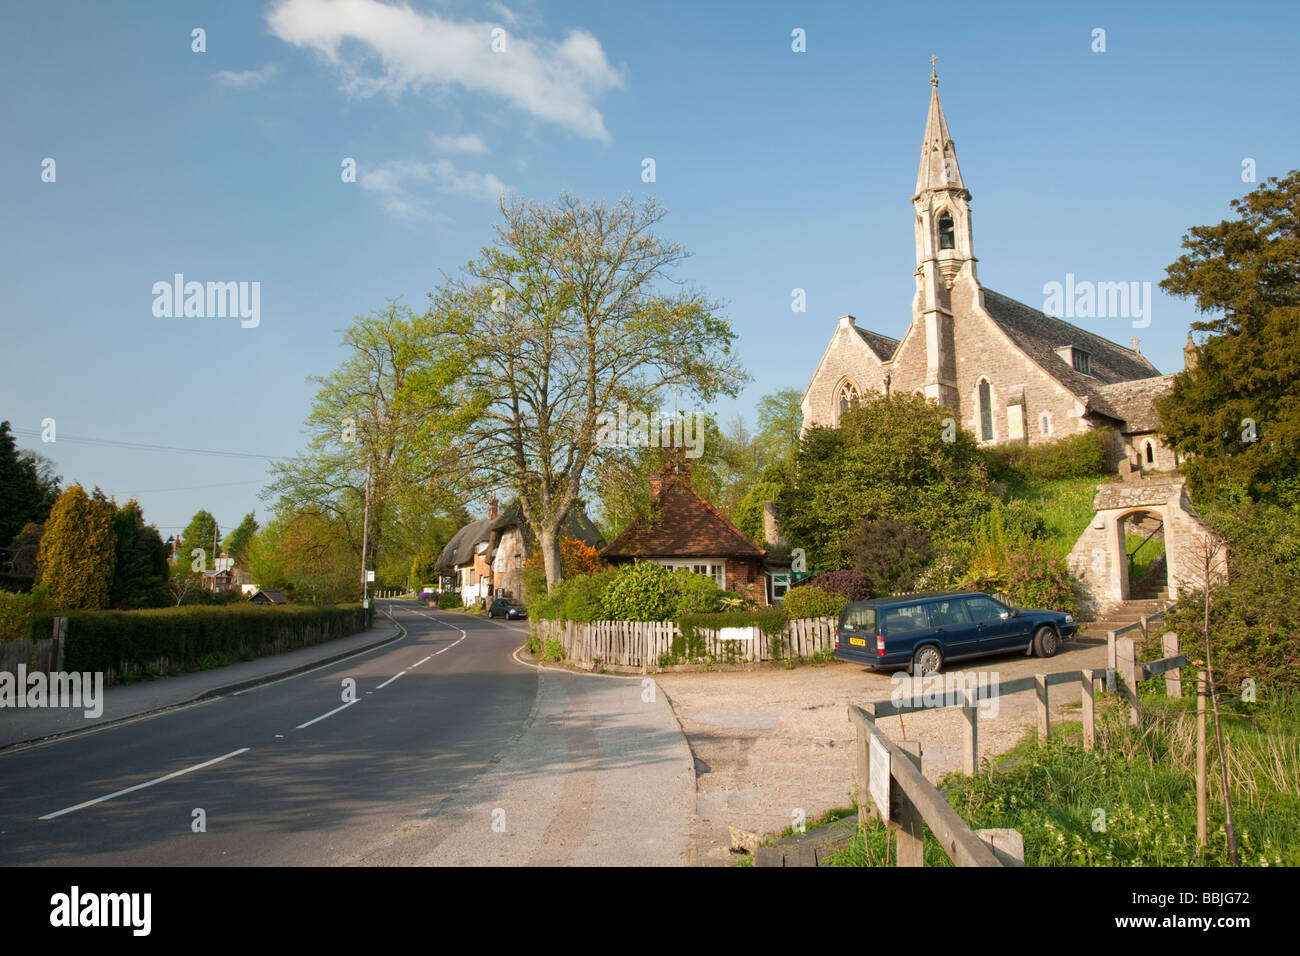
(468, 143)
(504, 12)
(247, 79)
(473, 184)
(393, 183)
(558, 82)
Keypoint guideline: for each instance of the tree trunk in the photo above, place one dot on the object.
(550, 543)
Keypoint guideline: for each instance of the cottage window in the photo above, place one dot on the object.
(1046, 426)
(1081, 360)
(947, 236)
(519, 561)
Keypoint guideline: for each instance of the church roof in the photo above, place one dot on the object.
(1134, 403)
(882, 345)
(682, 524)
(1039, 336)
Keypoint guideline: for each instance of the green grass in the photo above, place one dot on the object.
(1132, 802)
(1152, 550)
(1065, 505)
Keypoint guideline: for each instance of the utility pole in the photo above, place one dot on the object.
(365, 540)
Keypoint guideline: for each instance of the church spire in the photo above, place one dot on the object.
(939, 169)
(945, 261)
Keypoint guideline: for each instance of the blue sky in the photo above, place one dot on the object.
(780, 170)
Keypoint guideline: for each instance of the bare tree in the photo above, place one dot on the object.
(1210, 554)
(563, 325)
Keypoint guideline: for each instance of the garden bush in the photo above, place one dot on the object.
(642, 591)
(17, 610)
(811, 601)
(890, 553)
(691, 641)
(851, 585)
(1038, 578)
(1075, 456)
(449, 600)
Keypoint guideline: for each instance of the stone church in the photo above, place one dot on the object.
(1008, 372)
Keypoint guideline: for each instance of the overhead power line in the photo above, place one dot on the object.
(143, 446)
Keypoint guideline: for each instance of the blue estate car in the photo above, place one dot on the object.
(923, 631)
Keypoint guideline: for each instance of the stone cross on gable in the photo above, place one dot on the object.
(1135, 342)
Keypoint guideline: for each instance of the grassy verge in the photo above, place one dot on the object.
(1132, 802)
(1065, 505)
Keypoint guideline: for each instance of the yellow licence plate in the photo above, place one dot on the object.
(860, 641)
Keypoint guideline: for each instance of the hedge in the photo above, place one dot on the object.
(188, 638)
(690, 642)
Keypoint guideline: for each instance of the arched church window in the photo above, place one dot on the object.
(1046, 427)
(1151, 454)
(848, 396)
(947, 236)
(986, 412)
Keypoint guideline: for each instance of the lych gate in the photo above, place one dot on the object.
(1100, 560)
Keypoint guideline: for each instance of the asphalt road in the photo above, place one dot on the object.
(286, 773)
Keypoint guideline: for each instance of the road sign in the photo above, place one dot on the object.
(370, 576)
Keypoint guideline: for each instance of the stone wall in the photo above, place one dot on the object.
(1098, 561)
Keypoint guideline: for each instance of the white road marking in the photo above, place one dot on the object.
(323, 716)
(390, 680)
(418, 663)
(149, 783)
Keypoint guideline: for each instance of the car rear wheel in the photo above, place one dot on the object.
(1046, 641)
(927, 660)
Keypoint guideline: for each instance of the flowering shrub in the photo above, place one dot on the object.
(1036, 578)
(851, 585)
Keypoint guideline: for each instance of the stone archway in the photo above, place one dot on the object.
(1099, 559)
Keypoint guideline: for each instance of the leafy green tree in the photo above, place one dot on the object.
(78, 550)
(749, 512)
(237, 542)
(28, 486)
(1236, 415)
(365, 414)
(562, 322)
(888, 459)
(780, 422)
(201, 534)
(140, 572)
(309, 555)
(26, 546)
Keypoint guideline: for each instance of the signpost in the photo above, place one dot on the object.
(878, 776)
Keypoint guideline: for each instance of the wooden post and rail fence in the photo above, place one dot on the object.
(892, 788)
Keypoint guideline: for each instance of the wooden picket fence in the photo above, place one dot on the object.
(643, 644)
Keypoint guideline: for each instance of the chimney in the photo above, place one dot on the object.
(771, 536)
(492, 508)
